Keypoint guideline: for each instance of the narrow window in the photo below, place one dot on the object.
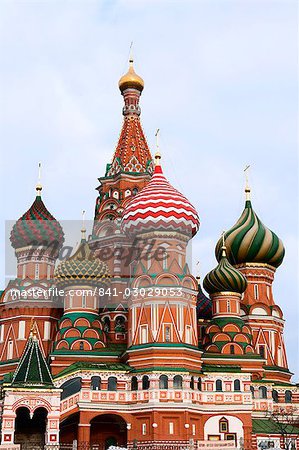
(167, 333)
(24, 271)
(134, 384)
(199, 384)
(143, 334)
(218, 385)
(163, 382)
(262, 392)
(84, 301)
(228, 305)
(22, 329)
(193, 429)
(256, 292)
(1, 333)
(112, 384)
(96, 383)
(262, 351)
(232, 349)
(144, 429)
(47, 331)
(171, 430)
(237, 385)
(145, 383)
(288, 397)
(48, 272)
(192, 383)
(252, 391)
(177, 382)
(10, 350)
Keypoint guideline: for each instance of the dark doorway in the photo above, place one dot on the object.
(107, 430)
(30, 431)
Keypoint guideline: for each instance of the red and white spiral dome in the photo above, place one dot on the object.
(160, 207)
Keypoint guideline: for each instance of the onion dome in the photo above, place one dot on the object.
(37, 226)
(82, 266)
(250, 241)
(224, 278)
(160, 207)
(131, 80)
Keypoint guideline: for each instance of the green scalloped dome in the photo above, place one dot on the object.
(82, 266)
(250, 241)
(224, 278)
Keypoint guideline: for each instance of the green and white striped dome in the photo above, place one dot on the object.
(250, 241)
(224, 278)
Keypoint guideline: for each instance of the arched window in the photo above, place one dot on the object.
(96, 383)
(262, 392)
(252, 391)
(275, 396)
(192, 383)
(134, 384)
(223, 425)
(218, 385)
(135, 191)
(288, 396)
(120, 324)
(106, 324)
(177, 382)
(145, 383)
(237, 385)
(112, 384)
(70, 387)
(199, 384)
(232, 349)
(163, 382)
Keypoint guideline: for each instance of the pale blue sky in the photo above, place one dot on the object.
(220, 82)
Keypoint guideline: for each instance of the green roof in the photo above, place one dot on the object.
(269, 426)
(81, 365)
(220, 368)
(32, 370)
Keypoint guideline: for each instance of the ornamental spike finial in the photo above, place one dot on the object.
(131, 59)
(83, 230)
(247, 187)
(39, 186)
(33, 329)
(157, 154)
(223, 248)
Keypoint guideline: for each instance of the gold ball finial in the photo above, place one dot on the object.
(157, 158)
(131, 80)
(39, 187)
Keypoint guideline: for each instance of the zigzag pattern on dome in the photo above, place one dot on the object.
(36, 225)
(160, 206)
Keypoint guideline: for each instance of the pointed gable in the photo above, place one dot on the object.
(32, 369)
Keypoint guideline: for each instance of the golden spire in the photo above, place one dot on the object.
(83, 230)
(247, 187)
(131, 79)
(39, 186)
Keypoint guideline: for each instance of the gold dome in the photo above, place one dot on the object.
(131, 80)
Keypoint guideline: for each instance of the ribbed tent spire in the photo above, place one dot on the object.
(32, 369)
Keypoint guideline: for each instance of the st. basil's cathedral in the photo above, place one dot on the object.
(135, 354)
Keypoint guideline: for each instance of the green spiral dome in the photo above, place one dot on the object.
(250, 241)
(224, 278)
(82, 266)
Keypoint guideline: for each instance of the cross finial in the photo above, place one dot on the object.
(247, 188)
(157, 155)
(83, 230)
(197, 271)
(39, 186)
(131, 59)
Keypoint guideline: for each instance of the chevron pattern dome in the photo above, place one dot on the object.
(36, 225)
(250, 241)
(224, 278)
(160, 207)
(82, 266)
